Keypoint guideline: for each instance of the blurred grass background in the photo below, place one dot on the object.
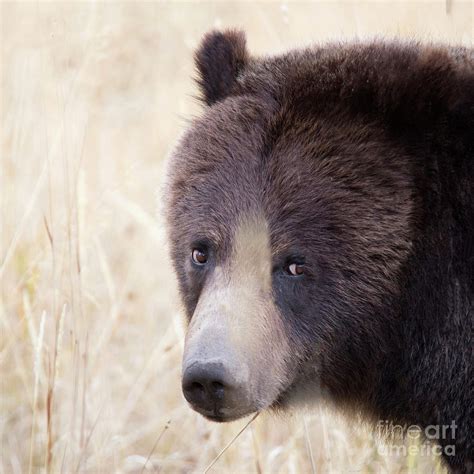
(93, 97)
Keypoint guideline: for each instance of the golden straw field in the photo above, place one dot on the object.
(93, 98)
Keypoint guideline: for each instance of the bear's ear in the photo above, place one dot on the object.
(219, 60)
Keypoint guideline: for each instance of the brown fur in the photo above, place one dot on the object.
(361, 159)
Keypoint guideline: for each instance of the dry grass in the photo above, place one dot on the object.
(93, 96)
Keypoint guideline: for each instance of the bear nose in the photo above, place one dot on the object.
(208, 387)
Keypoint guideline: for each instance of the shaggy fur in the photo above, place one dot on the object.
(361, 159)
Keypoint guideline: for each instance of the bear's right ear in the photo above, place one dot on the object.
(219, 60)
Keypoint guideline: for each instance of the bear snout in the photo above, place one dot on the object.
(213, 391)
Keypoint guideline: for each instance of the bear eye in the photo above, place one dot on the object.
(199, 257)
(295, 269)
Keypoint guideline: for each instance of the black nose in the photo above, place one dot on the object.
(208, 387)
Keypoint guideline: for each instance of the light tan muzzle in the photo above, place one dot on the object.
(233, 362)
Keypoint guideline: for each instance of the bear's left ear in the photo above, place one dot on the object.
(219, 60)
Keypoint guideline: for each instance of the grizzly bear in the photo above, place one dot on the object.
(321, 223)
